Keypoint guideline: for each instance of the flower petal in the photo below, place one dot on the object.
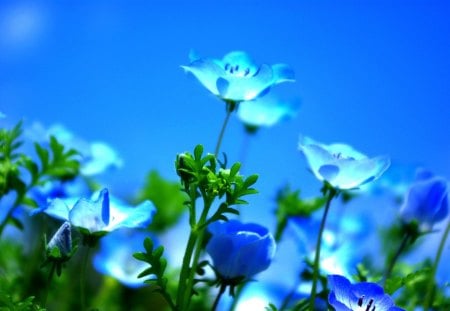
(282, 73)
(91, 215)
(207, 72)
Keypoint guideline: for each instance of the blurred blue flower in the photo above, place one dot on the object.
(267, 110)
(395, 181)
(426, 200)
(236, 77)
(343, 241)
(95, 157)
(61, 240)
(363, 296)
(240, 250)
(103, 214)
(115, 257)
(340, 165)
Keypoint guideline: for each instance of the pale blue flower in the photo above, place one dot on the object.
(340, 165)
(267, 110)
(115, 257)
(364, 296)
(236, 77)
(240, 250)
(100, 213)
(426, 200)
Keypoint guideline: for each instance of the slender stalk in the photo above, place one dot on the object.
(316, 268)
(405, 241)
(185, 267)
(200, 234)
(83, 279)
(49, 281)
(230, 108)
(237, 295)
(216, 301)
(431, 285)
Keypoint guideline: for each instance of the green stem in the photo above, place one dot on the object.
(237, 295)
(49, 281)
(216, 301)
(405, 241)
(199, 230)
(230, 107)
(431, 281)
(83, 279)
(185, 268)
(316, 268)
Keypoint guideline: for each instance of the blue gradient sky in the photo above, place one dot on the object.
(373, 74)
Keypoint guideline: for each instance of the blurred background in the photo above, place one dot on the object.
(372, 74)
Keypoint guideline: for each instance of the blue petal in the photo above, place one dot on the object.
(340, 291)
(56, 208)
(89, 214)
(207, 72)
(329, 171)
(282, 73)
(124, 216)
(62, 239)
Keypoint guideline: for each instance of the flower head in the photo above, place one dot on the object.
(364, 296)
(100, 213)
(115, 257)
(267, 111)
(61, 242)
(236, 77)
(426, 200)
(342, 166)
(240, 250)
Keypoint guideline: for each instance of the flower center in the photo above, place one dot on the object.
(237, 71)
(340, 156)
(370, 306)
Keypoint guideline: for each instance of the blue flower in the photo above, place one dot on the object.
(342, 166)
(363, 296)
(95, 157)
(62, 241)
(103, 214)
(115, 257)
(236, 77)
(240, 250)
(426, 201)
(267, 111)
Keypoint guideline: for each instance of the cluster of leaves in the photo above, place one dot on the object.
(202, 176)
(55, 163)
(7, 303)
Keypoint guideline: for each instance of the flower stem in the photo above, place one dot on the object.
(230, 108)
(431, 285)
(405, 241)
(216, 301)
(49, 281)
(83, 279)
(316, 268)
(185, 268)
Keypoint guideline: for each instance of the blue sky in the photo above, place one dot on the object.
(372, 74)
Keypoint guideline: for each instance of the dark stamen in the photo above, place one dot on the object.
(360, 301)
(369, 305)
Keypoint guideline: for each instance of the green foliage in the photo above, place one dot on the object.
(55, 163)
(395, 283)
(289, 204)
(201, 176)
(158, 264)
(7, 303)
(168, 200)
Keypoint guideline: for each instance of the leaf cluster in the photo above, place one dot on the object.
(204, 176)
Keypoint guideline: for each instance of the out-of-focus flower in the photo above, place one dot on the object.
(343, 241)
(103, 214)
(60, 245)
(363, 296)
(115, 257)
(96, 157)
(267, 111)
(236, 77)
(426, 201)
(340, 165)
(240, 250)
(395, 181)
